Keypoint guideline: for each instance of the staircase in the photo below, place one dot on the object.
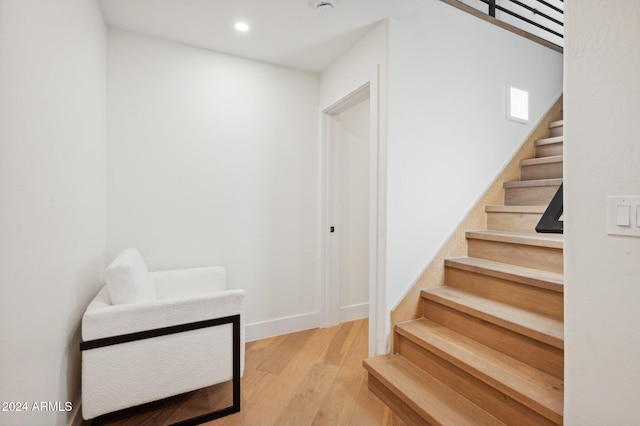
(489, 349)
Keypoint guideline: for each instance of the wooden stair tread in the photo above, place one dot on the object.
(524, 238)
(546, 141)
(534, 182)
(556, 124)
(515, 209)
(431, 399)
(537, 390)
(529, 276)
(542, 160)
(536, 326)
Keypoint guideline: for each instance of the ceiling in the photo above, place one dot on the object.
(285, 32)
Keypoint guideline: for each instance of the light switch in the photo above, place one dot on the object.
(624, 216)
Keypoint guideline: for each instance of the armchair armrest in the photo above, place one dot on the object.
(105, 320)
(181, 282)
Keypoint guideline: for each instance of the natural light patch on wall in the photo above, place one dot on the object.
(517, 104)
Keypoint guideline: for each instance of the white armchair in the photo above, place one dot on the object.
(150, 335)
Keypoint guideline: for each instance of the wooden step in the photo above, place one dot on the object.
(537, 192)
(514, 218)
(549, 146)
(546, 280)
(532, 289)
(556, 128)
(544, 357)
(538, 251)
(541, 168)
(542, 240)
(510, 390)
(530, 324)
(417, 397)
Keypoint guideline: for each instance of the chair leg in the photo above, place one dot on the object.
(235, 407)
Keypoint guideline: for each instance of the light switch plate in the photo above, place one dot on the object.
(623, 215)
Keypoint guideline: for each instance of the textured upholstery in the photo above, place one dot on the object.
(128, 279)
(129, 374)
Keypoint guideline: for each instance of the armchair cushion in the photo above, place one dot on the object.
(128, 280)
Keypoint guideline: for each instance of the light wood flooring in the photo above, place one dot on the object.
(313, 377)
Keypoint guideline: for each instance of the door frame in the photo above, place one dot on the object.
(330, 290)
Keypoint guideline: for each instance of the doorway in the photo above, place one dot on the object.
(349, 210)
(351, 284)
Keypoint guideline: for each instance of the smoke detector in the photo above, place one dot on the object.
(324, 5)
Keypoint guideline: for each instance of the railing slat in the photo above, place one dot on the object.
(528, 21)
(550, 6)
(536, 11)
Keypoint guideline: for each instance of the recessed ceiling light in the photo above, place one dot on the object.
(242, 26)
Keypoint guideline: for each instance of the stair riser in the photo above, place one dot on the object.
(515, 222)
(529, 195)
(537, 354)
(556, 131)
(548, 150)
(545, 258)
(534, 299)
(402, 410)
(541, 171)
(490, 399)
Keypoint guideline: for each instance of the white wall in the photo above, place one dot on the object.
(447, 133)
(212, 160)
(52, 196)
(602, 158)
(355, 68)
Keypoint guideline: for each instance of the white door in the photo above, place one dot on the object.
(349, 211)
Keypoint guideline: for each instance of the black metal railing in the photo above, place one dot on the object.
(543, 9)
(551, 222)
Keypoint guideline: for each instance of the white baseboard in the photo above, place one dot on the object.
(276, 327)
(354, 312)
